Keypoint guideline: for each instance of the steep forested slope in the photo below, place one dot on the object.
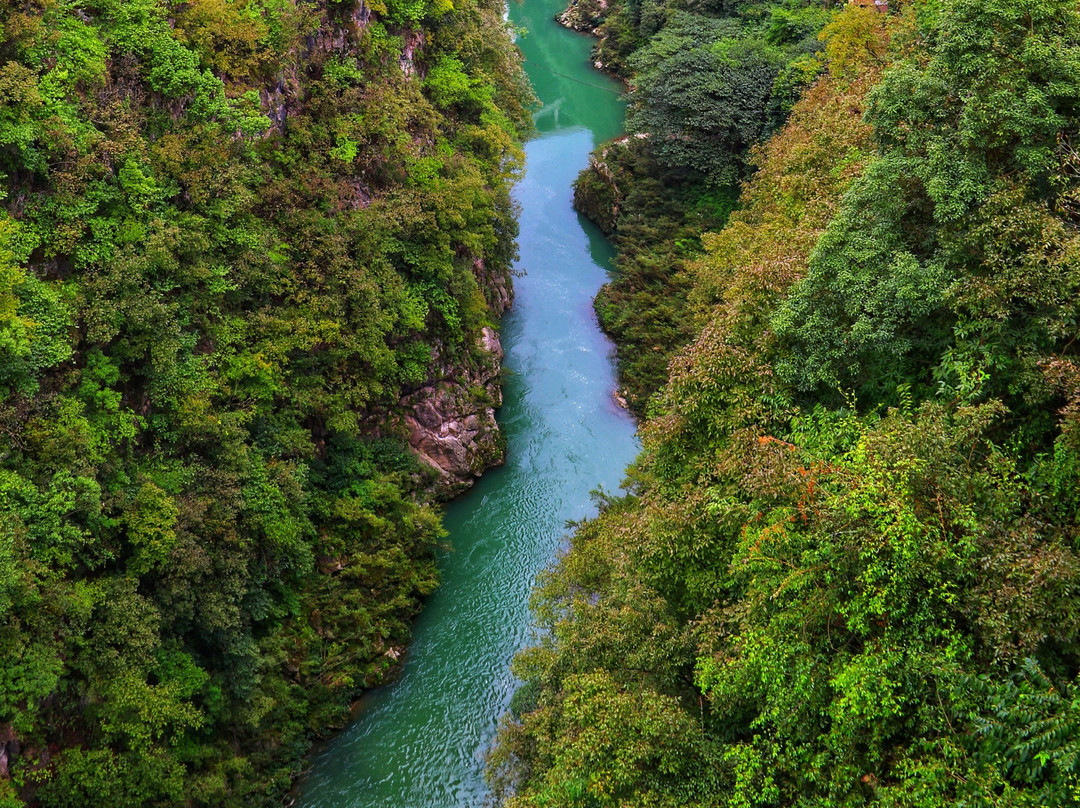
(234, 235)
(846, 570)
(710, 81)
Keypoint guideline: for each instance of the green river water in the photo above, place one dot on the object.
(420, 742)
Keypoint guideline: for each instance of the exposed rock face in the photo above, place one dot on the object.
(414, 42)
(497, 289)
(340, 34)
(451, 422)
(9, 748)
(597, 194)
(583, 15)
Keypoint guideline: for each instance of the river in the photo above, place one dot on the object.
(420, 742)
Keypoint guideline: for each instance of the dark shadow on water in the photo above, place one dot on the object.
(600, 249)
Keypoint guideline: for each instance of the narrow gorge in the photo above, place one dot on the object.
(421, 741)
(320, 479)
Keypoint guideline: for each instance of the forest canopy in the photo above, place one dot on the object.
(233, 235)
(846, 566)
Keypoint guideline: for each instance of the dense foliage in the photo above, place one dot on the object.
(709, 82)
(233, 233)
(656, 216)
(846, 569)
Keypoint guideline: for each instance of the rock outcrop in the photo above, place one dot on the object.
(590, 17)
(497, 288)
(583, 15)
(597, 192)
(450, 423)
(9, 748)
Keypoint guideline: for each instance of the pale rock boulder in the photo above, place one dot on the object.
(450, 423)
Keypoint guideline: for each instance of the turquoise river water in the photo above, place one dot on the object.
(421, 741)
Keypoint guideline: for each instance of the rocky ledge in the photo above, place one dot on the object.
(583, 15)
(450, 423)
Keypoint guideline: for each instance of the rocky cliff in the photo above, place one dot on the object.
(583, 15)
(450, 423)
